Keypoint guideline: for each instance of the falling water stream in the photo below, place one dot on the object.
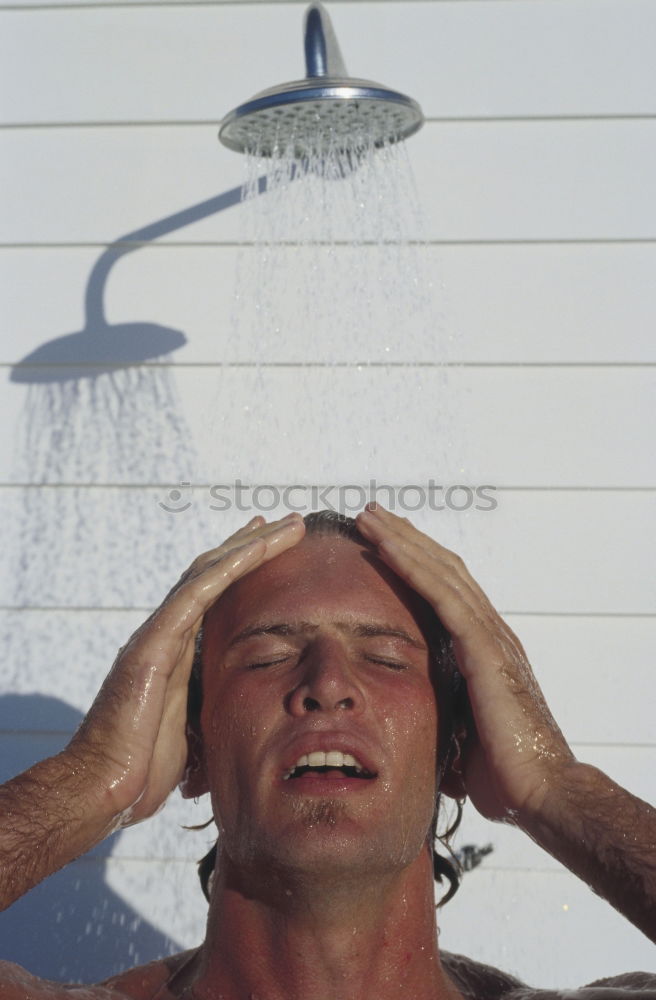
(99, 441)
(334, 304)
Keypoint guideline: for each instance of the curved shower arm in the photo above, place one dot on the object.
(322, 54)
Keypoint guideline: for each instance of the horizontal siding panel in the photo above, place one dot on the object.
(557, 552)
(473, 59)
(47, 686)
(494, 181)
(526, 303)
(518, 922)
(580, 661)
(501, 426)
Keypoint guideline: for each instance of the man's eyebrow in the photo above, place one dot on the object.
(361, 630)
(271, 628)
(364, 631)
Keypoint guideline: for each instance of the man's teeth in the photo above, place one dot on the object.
(329, 758)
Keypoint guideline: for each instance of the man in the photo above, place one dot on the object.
(320, 736)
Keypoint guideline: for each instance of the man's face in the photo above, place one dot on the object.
(318, 651)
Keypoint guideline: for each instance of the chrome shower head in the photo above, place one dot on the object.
(327, 111)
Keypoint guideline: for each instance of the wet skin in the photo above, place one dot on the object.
(321, 648)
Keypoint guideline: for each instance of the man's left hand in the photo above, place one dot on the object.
(514, 751)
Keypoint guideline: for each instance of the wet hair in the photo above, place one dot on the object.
(450, 701)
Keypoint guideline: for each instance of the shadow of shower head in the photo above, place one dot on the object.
(327, 111)
(94, 351)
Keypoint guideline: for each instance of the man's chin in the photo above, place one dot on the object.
(325, 845)
(320, 840)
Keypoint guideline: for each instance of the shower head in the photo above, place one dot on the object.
(327, 111)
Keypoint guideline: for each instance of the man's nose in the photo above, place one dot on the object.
(329, 682)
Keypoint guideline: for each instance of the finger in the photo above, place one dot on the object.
(154, 667)
(255, 522)
(387, 525)
(423, 550)
(436, 558)
(163, 649)
(402, 531)
(267, 531)
(484, 646)
(165, 643)
(254, 528)
(455, 608)
(388, 522)
(181, 614)
(245, 531)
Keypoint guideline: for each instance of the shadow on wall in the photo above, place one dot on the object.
(102, 346)
(72, 927)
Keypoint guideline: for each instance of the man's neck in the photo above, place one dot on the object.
(293, 941)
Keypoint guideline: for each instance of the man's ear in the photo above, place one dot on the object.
(194, 781)
(453, 782)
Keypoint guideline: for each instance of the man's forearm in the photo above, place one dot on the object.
(604, 835)
(49, 816)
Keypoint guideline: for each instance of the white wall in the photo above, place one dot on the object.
(537, 184)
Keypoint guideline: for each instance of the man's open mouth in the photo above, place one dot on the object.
(330, 762)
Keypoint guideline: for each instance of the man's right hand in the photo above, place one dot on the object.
(130, 752)
(134, 737)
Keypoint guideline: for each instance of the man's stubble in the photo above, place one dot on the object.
(322, 812)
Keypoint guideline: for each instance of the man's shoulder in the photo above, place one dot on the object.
(152, 981)
(474, 979)
(165, 978)
(477, 981)
(643, 983)
(16, 983)
(146, 982)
